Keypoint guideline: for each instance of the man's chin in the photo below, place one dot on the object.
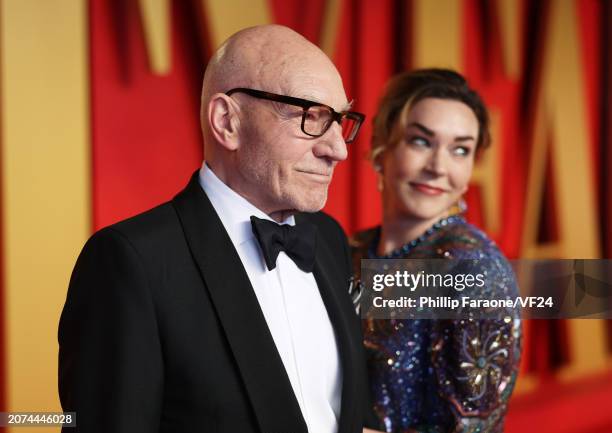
(311, 204)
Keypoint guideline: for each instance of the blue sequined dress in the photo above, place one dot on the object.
(443, 375)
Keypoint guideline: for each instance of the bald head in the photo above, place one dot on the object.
(273, 58)
(261, 56)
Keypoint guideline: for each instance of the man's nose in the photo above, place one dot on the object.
(332, 144)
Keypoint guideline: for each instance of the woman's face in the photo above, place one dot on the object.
(429, 169)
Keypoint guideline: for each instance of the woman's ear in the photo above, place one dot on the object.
(378, 168)
(377, 162)
(380, 182)
(223, 119)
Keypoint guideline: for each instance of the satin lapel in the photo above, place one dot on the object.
(245, 327)
(331, 287)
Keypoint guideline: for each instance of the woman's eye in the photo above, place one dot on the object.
(419, 141)
(461, 151)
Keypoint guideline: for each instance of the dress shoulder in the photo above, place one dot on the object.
(463, 241)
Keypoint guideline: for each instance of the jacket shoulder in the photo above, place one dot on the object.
(148, 230)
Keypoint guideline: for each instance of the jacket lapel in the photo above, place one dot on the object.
(264, 376)
(340, 311)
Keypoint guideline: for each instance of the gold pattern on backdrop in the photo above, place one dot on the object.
(508, 15)
(561, 133)
(437, 36)
(227, 17)
(156, 24)
(487, 176)
(329, 36)
(46, 175)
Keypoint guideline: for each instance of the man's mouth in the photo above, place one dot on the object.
(323, 175)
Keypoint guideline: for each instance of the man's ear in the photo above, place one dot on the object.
(223, 120)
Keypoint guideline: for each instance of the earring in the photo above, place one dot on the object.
(460, 207)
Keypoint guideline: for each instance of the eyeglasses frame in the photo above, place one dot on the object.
(305, 104)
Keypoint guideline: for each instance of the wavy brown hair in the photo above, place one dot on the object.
(406, 89)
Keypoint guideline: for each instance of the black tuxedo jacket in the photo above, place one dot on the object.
(162, 331)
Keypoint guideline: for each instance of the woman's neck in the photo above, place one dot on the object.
(396, 231)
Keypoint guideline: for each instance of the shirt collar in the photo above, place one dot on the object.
(234, 210)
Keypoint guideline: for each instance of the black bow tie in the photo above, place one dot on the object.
(298, 242)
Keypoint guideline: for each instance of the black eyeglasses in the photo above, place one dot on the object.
(316, 117)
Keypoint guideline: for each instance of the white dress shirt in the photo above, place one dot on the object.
(292, 306)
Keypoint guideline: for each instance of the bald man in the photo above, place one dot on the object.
(226, 309)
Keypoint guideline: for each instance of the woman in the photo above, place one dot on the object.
(435, 375)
